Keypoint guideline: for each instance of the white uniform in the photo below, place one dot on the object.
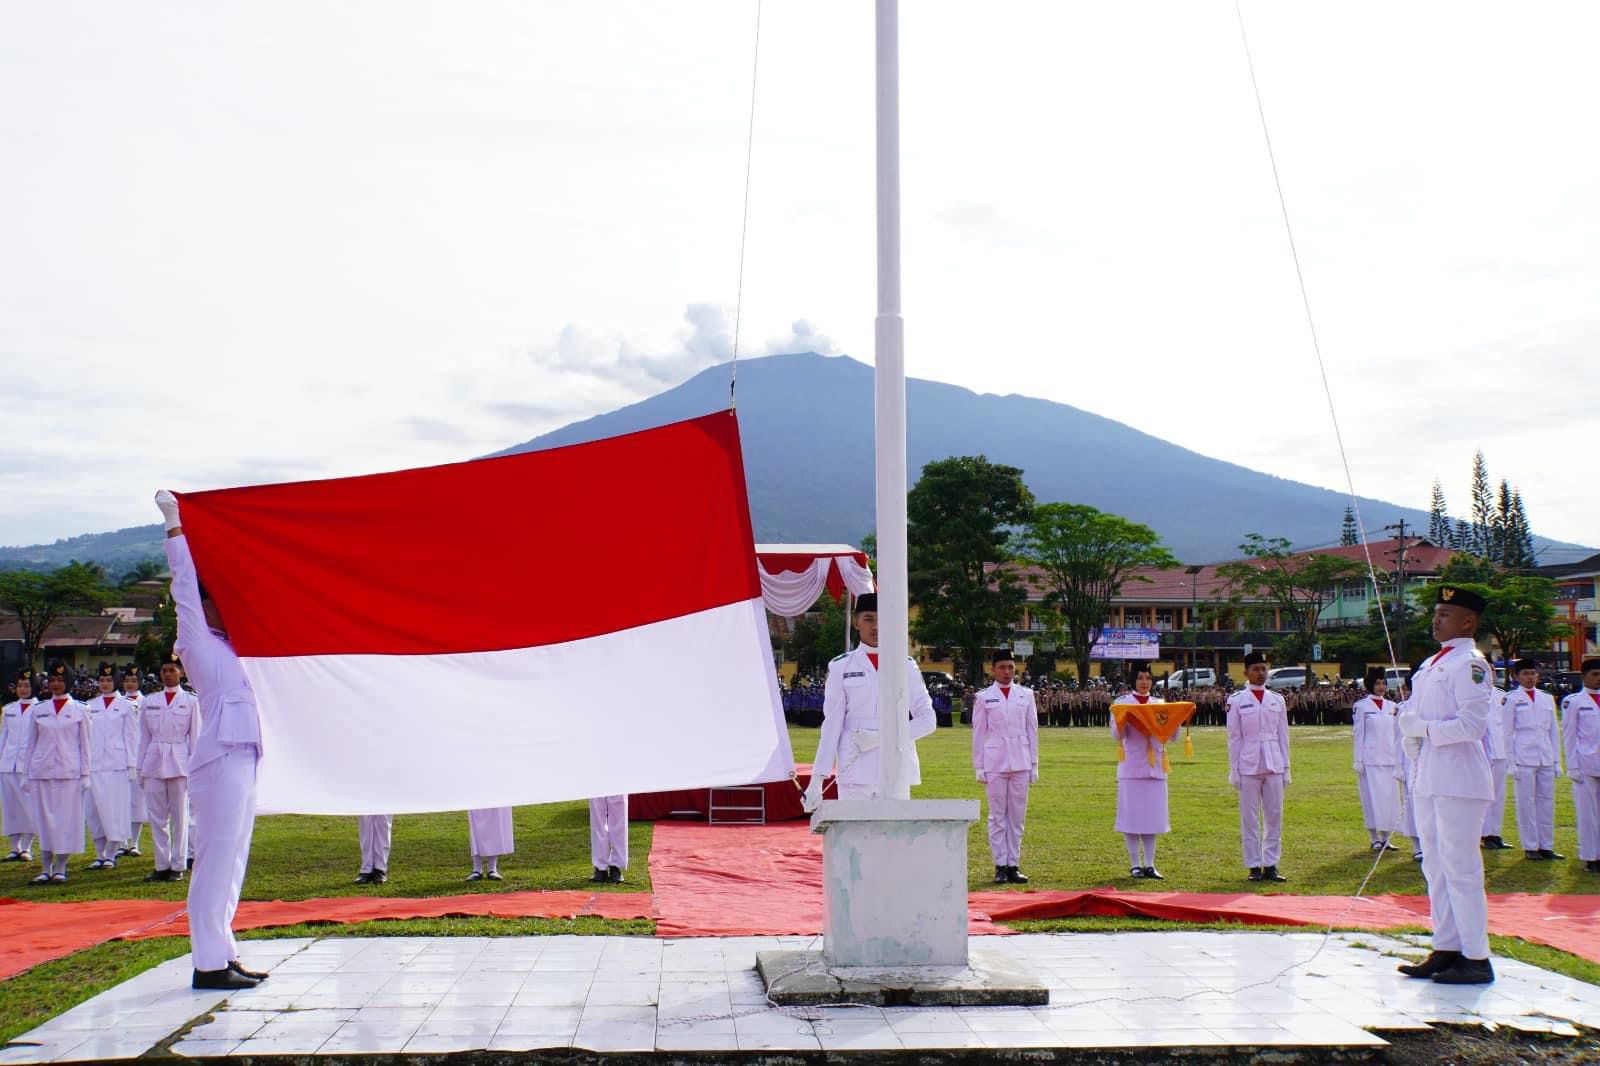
(1497, 745)
(1451, 695)
(1258, 766)
(1580, 731)
(16, 809)
(114, 755)
(169, 724)
(376, 832)
(608, 832)
(55, 750)
(849, 742)
(1005, 755)
(1377, 765)
(138, 812)
(1141, 788)
(489, 832)
(1535, 765)
(222, 770)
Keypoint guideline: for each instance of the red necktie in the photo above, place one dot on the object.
(1260, 694)
(1005, 690)
(169, 696)
(1141, 699)
(59, 704)
(108, 700)
(1379, 701)
(1446, 650)
(873, 658)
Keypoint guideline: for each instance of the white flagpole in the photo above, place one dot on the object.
(890, 387)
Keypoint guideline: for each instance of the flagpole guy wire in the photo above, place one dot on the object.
(744, 221)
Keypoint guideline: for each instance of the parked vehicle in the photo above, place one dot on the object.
(1191, 678)
(1397, 677)
(1286, 677)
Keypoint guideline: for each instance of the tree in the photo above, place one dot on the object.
(1520, 616)
(38, 599)
(1519, 537)
(1500, 524)
(1087, 556)
(1348, 536)
(158, 637)
(143, 570)
(1439, 530)
(957, 518)
(816, 637)
(1461, 539)
(1482, 508)
(1301, 584)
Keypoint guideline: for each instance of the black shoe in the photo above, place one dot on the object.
(1152, 874)
(189, 865)
(1000, 876)
(1016, 876)
(1416, 856)
(222, 980)
(614, 875)
(364, 878)
(156, 875)
(1255, 874)
(1466, 972)
(1436, 962)
(1534, 855)
(1136, 871)
(254, 975)
(600, 876)
(1498, 844)
(379, 877)
(1593, 866)
(174, 875)
(15, 856)
(124, 850)
(1548, 856)
(1270, 873)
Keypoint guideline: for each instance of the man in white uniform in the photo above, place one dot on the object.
(1258, 767)
(1535, 761)
(1580, 731)
(1497, 745)
(114, 753)
(608, 838)
(376, 831)
(137, 813)
(1005, 754)
(16, 809)
(55, 750)
(1443, 725)
(222, 772)
(169, 725)
(849, 743)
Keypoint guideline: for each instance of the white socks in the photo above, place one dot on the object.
(1134, 840)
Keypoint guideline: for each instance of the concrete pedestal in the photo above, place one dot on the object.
(894, 913)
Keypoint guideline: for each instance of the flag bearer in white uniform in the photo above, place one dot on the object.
(1005, 754)
(608, 838)
(1497, 745)
(376, 832)
(848, 746)
(1377, 760)
(113, 754)
(55, 749)
(1443, 726)
(16, 806)
(1258, 767)
(1141, 782)
(489, 833)
(169, 725)
(1580, 730)
(137, 814)
(1535, 761)
(222, 771)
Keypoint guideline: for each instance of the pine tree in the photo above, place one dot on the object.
(1519, 536)
(1461, 538)
(1482, 508)
(1347, 532)
(1500, 531)
(1438, 518)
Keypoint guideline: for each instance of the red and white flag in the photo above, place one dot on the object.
(578, 622)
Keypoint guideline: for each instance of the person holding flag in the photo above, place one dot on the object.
(1141, 780)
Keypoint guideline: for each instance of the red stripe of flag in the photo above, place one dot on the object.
(513, 552)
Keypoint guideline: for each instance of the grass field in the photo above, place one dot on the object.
(1069, 843)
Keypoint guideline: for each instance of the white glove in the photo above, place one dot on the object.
(866, 739)
(1412, 725)
(133, 776)
(168, 503)
(983, 777)
(1233, 778)
(1413, 746)
(1360, 767)
(1288, 778)
(1035, 775)
(811, 798)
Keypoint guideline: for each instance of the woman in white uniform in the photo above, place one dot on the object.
(56, 750)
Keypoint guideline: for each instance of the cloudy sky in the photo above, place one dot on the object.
(245, 242)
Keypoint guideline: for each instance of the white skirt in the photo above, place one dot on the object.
(1383, 798)
(1142, 805)
(108, 812)
(489, 831)
(58, 813)
(16, 808)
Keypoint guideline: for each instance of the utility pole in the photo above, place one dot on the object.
(1400, 592)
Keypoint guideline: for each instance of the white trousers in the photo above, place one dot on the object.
(1586, 804)
(223, 793)
(376, 831)
(1495, 817)
(1008, 804)
(848, 791)
(165, 798)
(608, 832)
(16, 809)
(1380, 799)
(1261, 818)
(107, 808)
(1536, 806)
(1448, 828)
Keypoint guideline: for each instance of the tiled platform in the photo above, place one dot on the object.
(427, 995)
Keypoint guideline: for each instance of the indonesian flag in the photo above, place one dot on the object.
(579, 622)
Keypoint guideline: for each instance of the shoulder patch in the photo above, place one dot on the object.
(1479, 673)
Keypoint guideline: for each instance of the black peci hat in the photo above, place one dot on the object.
(1004, 655)
(1374, 675)
(1455, 596)
(1591, 664)
(107, 670)
(1253, 658)
(867, 601)
(1523, 664)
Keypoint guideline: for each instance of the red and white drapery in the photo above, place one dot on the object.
(794, 575)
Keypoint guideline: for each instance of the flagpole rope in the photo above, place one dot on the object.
(744, 224)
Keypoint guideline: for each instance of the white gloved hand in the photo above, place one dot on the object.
(1412, 725)
(1035, 776)
(1361, 767)
(1233, 779)
(866, 739)
(1288, 778)
(983, 777)
(811, 798)
(168, 504)
(133, 776)
(1413, 746)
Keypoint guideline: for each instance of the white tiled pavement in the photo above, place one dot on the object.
(638, 994)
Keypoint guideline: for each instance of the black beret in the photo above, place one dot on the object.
(1523, 664)
(1003, 656)
(1254, 657)
(1464, 598)
(867, 601)
(58, 669)
(1137, 668)
(25, 675)
(1591, 664)
(107, 670)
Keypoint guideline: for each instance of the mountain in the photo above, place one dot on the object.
(806, 423)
